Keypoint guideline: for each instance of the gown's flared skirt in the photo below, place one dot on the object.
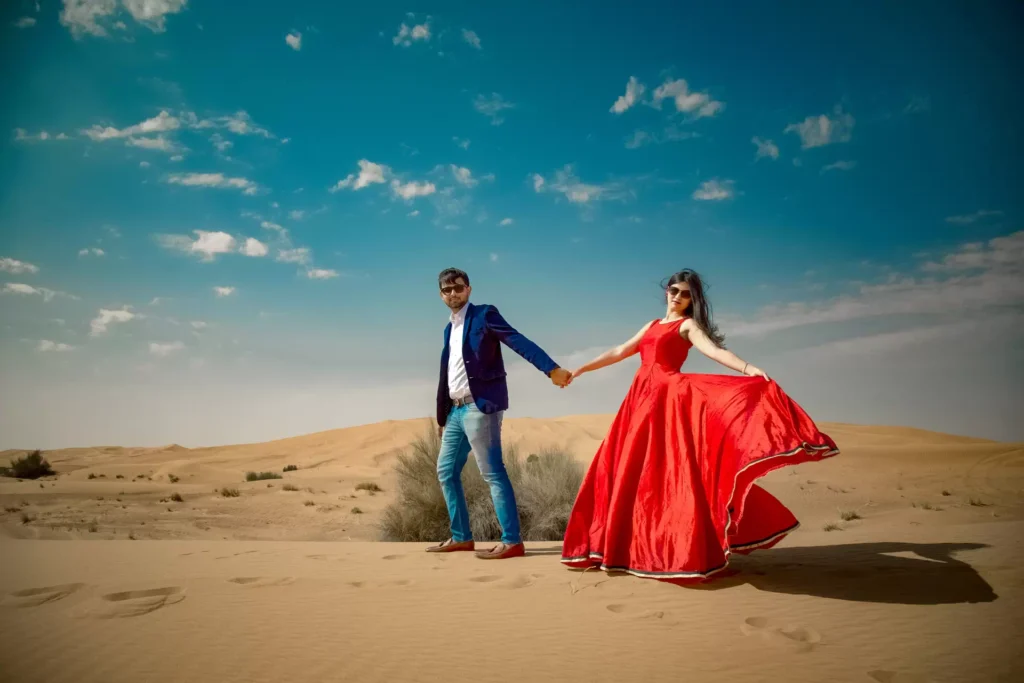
(670, 493)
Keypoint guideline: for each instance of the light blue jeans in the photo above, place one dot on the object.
(466, 429)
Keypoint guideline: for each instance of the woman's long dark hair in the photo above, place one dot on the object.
(699, 308)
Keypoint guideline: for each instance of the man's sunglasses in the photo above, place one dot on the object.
(676, 291)
(448, 289)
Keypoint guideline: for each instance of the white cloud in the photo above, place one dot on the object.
(296, 214)
(299, 255)
(253, 247)
(21, 288)
(144, 164)
(82, 16)
(818, 131)
(163, 122)
(25, 22)
(294, 40)
(698, 104)
(567, 183)
(491, 106)
(267, 225)
(239, 123)
(224, 291)
(976, 276)
(22, 135)
(369, 173)
(494, 257)
(634, 90)
(45, 345)
(839, 166)
(464, 144)
(217, 180)
(164, 350)
(207, 244)
(107, 317)
(671, 133)
(714, 190)
(507, 221)
(765, 149)
(413, 214)
(10, 265)
(321, 273)
(220, 142)
(406, 35)
(463, 175)
(198, 325)
(968, 219)
(412, 189)
(91, 251)
(472, 38)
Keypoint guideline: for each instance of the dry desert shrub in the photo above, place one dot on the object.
(545, 484)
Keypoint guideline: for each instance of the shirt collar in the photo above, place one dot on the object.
(460, 316)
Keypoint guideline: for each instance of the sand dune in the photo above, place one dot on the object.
(921, 582)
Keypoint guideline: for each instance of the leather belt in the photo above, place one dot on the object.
(459, 402)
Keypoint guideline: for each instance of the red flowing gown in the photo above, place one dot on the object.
(670, 493)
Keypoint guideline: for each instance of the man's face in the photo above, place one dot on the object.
(455, 293)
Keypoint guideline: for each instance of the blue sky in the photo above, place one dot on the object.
(223, 225)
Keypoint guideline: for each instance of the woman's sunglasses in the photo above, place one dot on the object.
(676, 291)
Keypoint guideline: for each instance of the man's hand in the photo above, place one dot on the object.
(560, 377)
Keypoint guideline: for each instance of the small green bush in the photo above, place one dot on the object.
(31, 466)
(259, 476)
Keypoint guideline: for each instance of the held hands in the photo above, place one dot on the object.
(560, 377)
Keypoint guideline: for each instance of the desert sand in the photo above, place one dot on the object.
(109, 579)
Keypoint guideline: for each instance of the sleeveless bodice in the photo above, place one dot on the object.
(662, 346)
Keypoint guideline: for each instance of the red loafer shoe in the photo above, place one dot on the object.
(502, 551)
(451, 546)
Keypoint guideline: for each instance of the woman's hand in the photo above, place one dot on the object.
(754, 371)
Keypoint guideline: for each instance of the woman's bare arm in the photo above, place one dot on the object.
(702, 343)
(614, 354)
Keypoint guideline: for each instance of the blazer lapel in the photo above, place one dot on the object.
(466, 324)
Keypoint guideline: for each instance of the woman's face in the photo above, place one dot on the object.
(677, 296)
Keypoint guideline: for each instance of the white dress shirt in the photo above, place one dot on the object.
(458, 380)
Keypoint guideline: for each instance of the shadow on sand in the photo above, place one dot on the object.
(900, 573)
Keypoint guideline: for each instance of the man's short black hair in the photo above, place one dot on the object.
(450, 275)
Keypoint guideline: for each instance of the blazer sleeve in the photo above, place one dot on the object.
(516, 341)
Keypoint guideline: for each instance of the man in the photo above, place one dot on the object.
(471, 398)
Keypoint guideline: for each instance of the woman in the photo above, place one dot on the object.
(670, 493)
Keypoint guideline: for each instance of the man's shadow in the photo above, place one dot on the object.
(901, 573)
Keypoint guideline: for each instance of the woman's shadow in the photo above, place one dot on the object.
(903, 573)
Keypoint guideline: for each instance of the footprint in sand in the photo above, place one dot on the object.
(392, 557)
(262, 581)
(396, 582)
(134, 603)
(33, 597)
(621, 608)
(797, 637)
(521, 581)
(244, 552)
(484, 579)
(883, 676)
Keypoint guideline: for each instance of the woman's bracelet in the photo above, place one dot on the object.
(744, 370)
